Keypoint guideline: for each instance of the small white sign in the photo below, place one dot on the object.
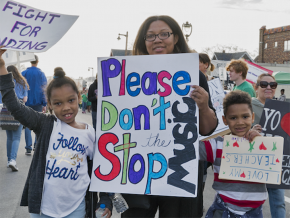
(256, 161)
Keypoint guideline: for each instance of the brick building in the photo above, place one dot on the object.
(274, 46)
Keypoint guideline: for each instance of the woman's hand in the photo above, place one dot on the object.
(257, 127)
(2, 62)
(108, 213)
(251, 134)
(200, 96)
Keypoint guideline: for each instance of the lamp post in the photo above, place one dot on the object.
(92, 71)
(187, 30)
(126, 35)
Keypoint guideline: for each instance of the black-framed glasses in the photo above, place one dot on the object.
(264, 84)
(152, 37)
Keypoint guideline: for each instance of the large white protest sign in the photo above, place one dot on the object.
(217, 96)
(256, 161)
(255, 71)
(147, 129)
(24, 28)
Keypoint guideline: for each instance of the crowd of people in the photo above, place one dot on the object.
(53, 190)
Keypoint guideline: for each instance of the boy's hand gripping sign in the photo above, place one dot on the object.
(24, 28)
(256, 161)
(147, 129)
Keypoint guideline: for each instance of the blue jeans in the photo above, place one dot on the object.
(94, 117)
(84, 106)
(13, 140)
(80, 212)
(277, 202)
(28, 138)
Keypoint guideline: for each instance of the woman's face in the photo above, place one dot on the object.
(267, 92)
(203, 67)
(159, 46)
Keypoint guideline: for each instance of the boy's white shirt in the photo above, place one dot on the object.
(62, 196)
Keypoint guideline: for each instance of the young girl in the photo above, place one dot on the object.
(58, 176)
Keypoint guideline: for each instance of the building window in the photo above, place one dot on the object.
(287, 45)
(276, 44)
(24, 53)
(6, 54)
(265, 45)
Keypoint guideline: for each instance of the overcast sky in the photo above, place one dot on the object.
(226, 22)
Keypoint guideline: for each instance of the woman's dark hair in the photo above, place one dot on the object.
(139, 47)
(204, 58)
(59, 79)
(236, 97)
(17, 76)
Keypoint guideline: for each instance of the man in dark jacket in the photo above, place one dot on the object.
(93, 97)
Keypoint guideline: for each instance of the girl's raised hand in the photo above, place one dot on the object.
(200, 96)
(2, 62)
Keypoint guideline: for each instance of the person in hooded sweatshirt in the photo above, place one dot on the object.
(265, 89)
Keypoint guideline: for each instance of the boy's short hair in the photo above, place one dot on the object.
(237, 97)
(282, 90)
(240, 66)
(36, 60)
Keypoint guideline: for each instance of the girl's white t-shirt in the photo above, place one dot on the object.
(66, 177)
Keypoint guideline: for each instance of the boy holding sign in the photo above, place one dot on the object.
(234, 198)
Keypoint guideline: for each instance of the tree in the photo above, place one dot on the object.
(228, 49)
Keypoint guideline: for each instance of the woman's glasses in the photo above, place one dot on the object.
(265, 84)
(152, 37)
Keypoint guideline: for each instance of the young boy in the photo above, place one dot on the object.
(234, 198)
(238, 73)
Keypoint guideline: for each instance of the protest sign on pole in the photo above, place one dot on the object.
(275, 121)
(254, 71)
(217, 96)
(24, 28)
(256, 161)
(147, 129)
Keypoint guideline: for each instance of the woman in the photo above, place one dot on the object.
(13, 136)
(162, 35)
(265, 89)
(204, 64)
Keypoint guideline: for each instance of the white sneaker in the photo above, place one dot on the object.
(12, 165)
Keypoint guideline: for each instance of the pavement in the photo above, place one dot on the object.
(12, 183)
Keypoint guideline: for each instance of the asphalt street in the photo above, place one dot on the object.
(12, 183)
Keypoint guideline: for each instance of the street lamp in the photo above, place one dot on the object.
(126, 35)
(187, 30)
(92, 71)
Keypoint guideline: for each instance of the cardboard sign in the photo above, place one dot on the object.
(255, 71)
(217, 96)
(24, 28)
(275, 121)
(256, 161)
(147, 129)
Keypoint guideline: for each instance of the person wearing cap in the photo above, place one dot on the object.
(36, 96)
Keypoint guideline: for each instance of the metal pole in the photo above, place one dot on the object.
(18, 61)
(92, 72)
(126, 43)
